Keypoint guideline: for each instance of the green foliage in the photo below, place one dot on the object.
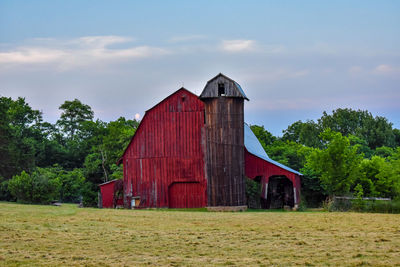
(289, 153)
(90, 194)
(305, 133)
(358, 203)
(372, 131)
(253, 193)
(338, 163)
(312, 191)
(4, 192)
(42, 186)
(265, 137)
(396, 133)
(71, 185)
(74, 113)
(384, 151)
(375, 131)
(363, 205)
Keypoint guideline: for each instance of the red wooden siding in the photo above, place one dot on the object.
(186, 195)
(107, 194)
(255, 166)
(166, 148)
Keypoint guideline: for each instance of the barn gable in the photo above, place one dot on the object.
(172, 104)
(165, 156)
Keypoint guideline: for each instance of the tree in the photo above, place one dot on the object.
(21, 140)
(265, 137)
(396, 133)
(41, 186)
(338, 164)
(375, 131)
(74, 113)
(71, 183)
(305, 133)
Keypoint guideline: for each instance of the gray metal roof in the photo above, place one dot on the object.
(241, 90)
(254, 147)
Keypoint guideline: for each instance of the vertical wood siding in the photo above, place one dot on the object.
(225, 151)
(107, 194)
(167, 149)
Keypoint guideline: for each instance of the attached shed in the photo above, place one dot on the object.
(280, 184)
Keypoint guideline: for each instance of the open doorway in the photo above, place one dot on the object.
(280, 193)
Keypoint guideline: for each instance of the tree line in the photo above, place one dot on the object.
(347, 152)
(41, 162)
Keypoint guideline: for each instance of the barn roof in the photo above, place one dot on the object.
(108, 182)
(254, 147)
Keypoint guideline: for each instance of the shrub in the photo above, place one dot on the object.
(40, 187)
(253, 192)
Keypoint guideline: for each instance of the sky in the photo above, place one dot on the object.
(293, 59)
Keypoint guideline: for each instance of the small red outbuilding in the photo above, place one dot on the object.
(110, 198)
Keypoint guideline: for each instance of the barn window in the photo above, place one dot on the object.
(221, 89)
(183, 98)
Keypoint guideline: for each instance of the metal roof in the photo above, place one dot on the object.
(254, 147)
(240, 90)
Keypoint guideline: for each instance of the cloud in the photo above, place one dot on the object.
(384, 69)
(234, 46)
(187, 38)
(81, 51)
(31, 55)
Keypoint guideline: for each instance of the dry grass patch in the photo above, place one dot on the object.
(45, 235)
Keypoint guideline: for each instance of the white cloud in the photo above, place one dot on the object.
(186, 38)
(238, 45)
(102, 41)
(383, 68)
(81, 51)
(31, 55)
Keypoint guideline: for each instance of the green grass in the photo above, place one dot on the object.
(32, 235)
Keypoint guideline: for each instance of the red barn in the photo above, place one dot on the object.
(191, 151)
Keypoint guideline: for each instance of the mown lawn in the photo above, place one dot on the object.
(44, 235)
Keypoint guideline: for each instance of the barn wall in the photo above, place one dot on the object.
(225, 151)
(166, 149)
(255, 166)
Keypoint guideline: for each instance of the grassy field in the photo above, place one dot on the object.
(44, 235)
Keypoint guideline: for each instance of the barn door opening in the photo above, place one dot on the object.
(280, 193)
(186, 195)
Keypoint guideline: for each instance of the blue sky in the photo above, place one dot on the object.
(294, 59)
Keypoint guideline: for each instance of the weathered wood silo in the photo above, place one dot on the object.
(224, 142)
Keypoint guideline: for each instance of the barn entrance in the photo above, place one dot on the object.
(280, 193)
(186, 195)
